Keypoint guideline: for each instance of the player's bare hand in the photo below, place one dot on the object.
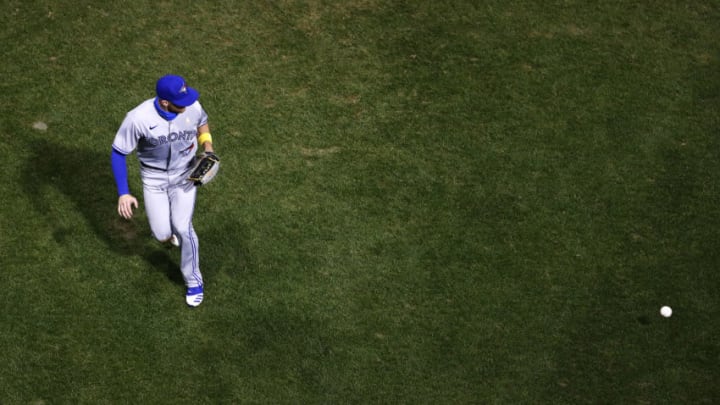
(125, 205)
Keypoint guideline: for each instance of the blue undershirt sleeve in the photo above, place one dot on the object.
(119, 168)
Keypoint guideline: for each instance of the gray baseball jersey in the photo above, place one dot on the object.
(161, 144)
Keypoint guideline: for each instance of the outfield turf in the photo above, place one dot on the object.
(419, 202)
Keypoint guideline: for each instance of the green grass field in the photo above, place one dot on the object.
(420, 202)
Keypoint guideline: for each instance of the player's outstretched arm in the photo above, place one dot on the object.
(126, 202)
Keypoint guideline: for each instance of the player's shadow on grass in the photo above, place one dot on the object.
(85, 178)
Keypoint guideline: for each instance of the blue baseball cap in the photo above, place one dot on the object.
(173, 89)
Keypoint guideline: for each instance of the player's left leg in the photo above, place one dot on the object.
(182, 205)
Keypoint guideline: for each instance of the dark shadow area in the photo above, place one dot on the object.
(85, 177)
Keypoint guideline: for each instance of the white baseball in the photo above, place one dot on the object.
(666, 311)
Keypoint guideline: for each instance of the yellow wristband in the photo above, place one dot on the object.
(204, 137)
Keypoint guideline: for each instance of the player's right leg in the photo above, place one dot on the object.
(157, 207)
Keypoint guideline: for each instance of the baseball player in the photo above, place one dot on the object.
(166, 131)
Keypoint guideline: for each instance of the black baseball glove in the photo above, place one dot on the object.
(205, 168)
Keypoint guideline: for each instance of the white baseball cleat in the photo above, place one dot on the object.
(194, 296)
(174, 241)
